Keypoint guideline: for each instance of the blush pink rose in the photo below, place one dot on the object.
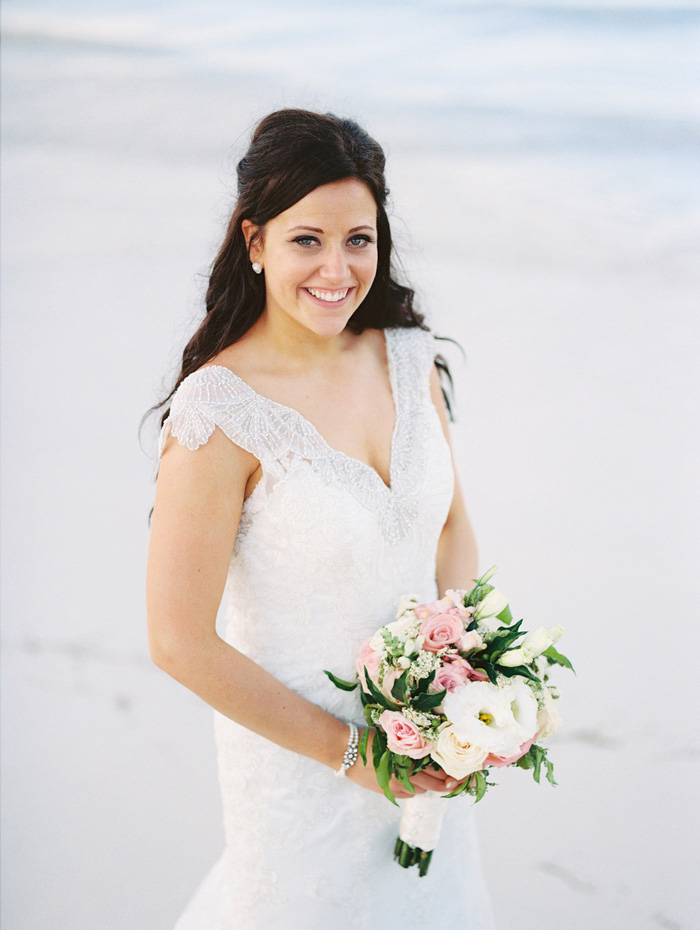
(402, 736)
(473, 674)
(500, 762)
(367, 659)
(442, 630)
(470, 640)
(451, 675)
(389, 678)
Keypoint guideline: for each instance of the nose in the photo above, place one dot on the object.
(335, 265)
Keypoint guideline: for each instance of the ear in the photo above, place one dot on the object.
(252, 239)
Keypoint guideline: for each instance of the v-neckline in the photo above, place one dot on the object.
(393, 386)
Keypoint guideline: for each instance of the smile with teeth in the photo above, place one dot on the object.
(328, 296)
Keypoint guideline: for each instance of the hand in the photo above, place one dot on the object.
(432, 778)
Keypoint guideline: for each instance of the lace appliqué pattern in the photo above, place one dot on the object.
(323, 552)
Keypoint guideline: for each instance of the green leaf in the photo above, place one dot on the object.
(425, 683)
(485, 666)
(505, 615)
(402, 775)
(481, 785)
(521, 670)
(428, 701)
(378, 747)
(362, 747)
(550, 772)
(399, 689)
(378, 696)
(340, 682)
(557, 657)
(384, 775)
(459, 789)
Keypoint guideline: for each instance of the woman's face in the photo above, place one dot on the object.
(319, 257)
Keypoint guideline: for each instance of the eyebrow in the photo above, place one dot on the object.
(316, 230)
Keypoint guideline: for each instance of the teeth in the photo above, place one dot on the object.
(329, 296)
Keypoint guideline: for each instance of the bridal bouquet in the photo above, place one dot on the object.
(454, 683)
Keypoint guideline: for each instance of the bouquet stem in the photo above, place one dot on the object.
(419, 831)
(406, 856)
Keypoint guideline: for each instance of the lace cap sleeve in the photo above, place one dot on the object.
(214, 397)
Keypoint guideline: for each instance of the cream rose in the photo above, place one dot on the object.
(548, 718)
(457, 758)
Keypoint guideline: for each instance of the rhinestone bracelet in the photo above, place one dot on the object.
(350, 754)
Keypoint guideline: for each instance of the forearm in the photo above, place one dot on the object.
(240, 689)
(457, 561)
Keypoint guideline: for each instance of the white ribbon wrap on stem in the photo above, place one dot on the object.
(421, 820)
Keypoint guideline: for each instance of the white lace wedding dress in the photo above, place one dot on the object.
(323, 553)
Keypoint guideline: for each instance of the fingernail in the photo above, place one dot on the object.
(451, 784)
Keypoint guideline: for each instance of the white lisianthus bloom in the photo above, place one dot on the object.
(533, 645)
(523, 706)
(456, 757)
(492, 604)
(456, 598)
(406, 602)
(548, 718)
(481, 715)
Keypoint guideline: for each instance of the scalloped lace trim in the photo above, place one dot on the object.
(279, 435)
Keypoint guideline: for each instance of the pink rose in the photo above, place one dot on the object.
(452, 675)
(390, 677)
(499, 762)
(442, 629)
(367, 659)
(402, 736)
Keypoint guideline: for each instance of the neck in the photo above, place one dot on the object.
(296, 346)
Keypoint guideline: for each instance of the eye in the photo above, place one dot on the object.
(306, 240)
(361, 241)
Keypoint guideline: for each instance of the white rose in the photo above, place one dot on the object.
(456, 757)
(548, 718)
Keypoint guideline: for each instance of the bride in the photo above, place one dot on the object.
(305, 471)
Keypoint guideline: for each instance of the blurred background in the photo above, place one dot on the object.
(546, 205)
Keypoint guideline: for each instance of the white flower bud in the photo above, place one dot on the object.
(492, 604)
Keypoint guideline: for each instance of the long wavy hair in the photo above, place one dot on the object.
(293, 152)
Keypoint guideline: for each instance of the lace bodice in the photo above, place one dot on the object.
(324, 550)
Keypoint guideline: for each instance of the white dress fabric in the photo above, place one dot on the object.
(323, 552)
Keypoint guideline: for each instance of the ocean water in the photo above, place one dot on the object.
(546, 200)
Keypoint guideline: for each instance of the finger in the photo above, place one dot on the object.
(399, 791)
(428, 782)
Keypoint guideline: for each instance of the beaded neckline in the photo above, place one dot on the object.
(323, 443)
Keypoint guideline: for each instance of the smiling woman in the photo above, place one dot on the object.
(306, 470)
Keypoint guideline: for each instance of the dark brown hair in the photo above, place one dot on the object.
(293, 152)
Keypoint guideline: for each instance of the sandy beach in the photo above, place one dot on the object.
(546, 208)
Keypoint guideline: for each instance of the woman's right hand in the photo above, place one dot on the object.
(432, 778)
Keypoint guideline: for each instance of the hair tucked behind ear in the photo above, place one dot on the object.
(293, 152)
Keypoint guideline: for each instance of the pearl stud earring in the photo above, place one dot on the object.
(257, 267)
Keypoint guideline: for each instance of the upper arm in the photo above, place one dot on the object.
(198, 501)
(457, 508)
